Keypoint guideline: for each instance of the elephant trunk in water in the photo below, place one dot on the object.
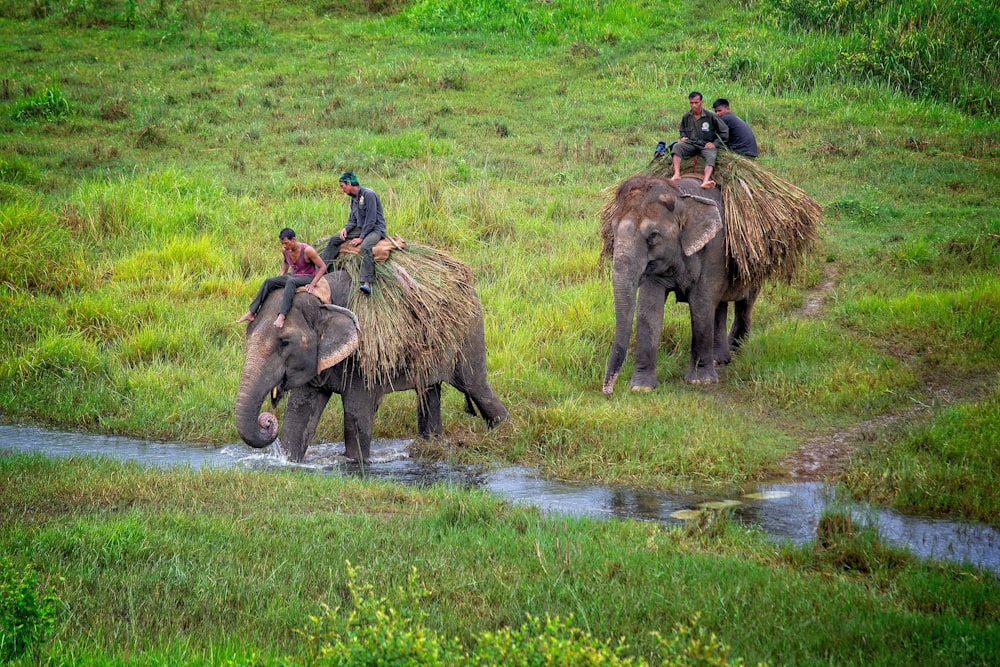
(625, 277)
(257, 429)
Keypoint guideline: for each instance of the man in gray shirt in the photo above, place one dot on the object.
(741, 138)
(365, 227)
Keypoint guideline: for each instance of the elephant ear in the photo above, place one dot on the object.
(339, 336)
(702, 221)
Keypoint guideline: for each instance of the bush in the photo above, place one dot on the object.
(373, 633)
(26, 618)
(49, 104)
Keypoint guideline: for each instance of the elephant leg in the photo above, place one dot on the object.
(722, 355)
(359, 413)
(469, 377)
(429, 412)
(702, 367)
(742, 318)
(305, 406)
(648, 329)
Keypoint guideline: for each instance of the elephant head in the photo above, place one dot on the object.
(315, 337)
(659, 235)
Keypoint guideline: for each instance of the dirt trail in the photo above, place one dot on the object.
(826, 457)
(815, 299)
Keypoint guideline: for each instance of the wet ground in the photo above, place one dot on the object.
(785, 511)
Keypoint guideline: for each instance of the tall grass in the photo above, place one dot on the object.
(910, 45)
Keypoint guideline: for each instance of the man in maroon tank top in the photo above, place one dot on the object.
(300, 265)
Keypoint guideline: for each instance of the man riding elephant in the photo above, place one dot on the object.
(365, 227)
(699, 130)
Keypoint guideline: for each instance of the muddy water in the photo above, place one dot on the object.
(785, 511)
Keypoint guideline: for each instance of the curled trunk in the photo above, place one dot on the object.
(257, 429)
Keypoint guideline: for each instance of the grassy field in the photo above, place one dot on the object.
(228, 567)
(150, 152)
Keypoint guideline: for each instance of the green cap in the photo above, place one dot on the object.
(349, 177)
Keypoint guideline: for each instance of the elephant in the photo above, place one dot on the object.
(310, 358)
(668, 237)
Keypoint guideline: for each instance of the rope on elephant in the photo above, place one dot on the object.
(770, 224)
(417, 315)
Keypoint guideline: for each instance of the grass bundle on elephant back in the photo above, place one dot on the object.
(417, 314)
(770, 223)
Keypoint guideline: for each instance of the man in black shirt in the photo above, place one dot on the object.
(741, 138)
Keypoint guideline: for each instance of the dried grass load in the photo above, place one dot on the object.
(417, 315)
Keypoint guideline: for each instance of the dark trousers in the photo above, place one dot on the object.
(367, 256)
(286, 281)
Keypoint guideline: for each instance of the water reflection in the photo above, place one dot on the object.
(784, 511)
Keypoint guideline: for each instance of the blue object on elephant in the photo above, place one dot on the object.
(366, 288)
(661, 148)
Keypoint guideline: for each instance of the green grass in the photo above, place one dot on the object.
(196, 567)
(150, 152)
(947, 463)
(142, 220)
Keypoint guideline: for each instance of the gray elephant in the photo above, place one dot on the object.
(668, 237)
(310, 358)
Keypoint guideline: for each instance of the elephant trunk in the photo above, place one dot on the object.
(625, 278)
(257, 429)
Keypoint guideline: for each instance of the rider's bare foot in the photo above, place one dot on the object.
(675, 177)
(246, 318)
(280, 322)
(708, 185)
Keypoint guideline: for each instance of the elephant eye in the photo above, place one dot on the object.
(653, 238)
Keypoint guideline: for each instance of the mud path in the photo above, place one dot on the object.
(825, 457)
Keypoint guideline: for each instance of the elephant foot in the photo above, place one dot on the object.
(358, 453)
(701, 375)
(723, 359)
(497, 420)
(294, 454)
(643, 382)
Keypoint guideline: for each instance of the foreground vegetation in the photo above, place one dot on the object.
(150, 152)
(236, 567)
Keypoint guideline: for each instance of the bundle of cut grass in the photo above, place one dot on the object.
(417, 315)
(770, 223)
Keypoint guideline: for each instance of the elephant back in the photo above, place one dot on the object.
(770, 224)
(417, 318)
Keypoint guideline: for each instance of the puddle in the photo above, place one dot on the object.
(787, 511)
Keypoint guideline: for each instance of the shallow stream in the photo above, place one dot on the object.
(785, 511)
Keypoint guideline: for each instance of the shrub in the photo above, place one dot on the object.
(49, 105)
(375, 633)
(25, 616)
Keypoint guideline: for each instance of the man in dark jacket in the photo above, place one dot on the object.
(365, 227)
(700, 130)
(741, 137)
